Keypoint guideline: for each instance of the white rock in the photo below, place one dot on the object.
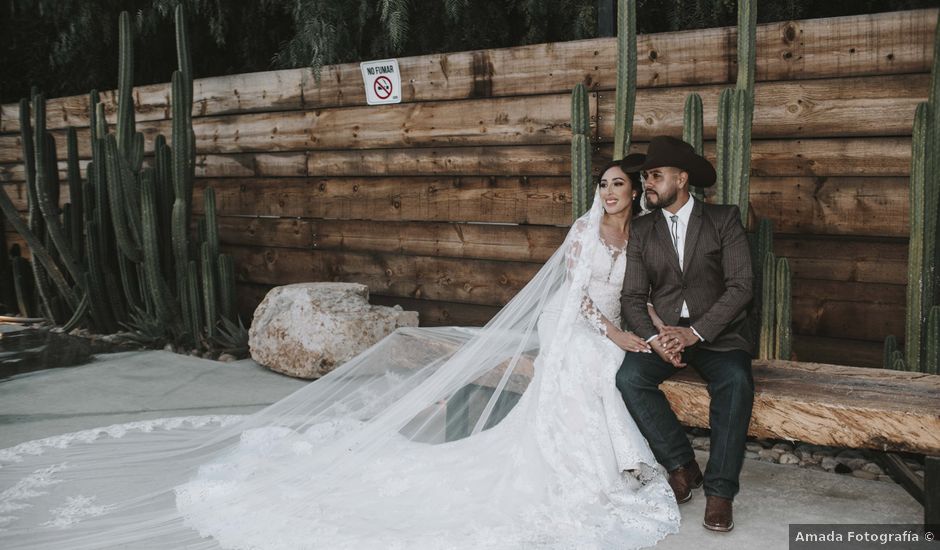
(829, 463)
(873, 468)
(753, 446)
(701, 443)
(885, 478)
(783, 447)
(789, 458)
(227, 358)
(308, 329)
(751, 454)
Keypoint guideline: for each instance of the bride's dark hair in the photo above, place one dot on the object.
(635, 183)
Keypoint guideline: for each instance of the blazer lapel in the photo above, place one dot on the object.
(692, 233)
(662, 229)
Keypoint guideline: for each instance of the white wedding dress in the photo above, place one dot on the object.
(377, 454)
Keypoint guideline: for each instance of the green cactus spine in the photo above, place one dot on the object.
(20, 268)
(75, 195)
(157, 291)
(723, 145)
(692, 122)
(890, 347)
(747, 44)
(768, 311)
(47, 178)
(580, 152)
(782, 328)
(932, 336)
(227, 286)
(625, 105)
(209, 289)
(917, 284)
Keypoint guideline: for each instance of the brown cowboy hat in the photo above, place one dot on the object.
(668, 151)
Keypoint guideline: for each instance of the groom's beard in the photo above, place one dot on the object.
(660, 201)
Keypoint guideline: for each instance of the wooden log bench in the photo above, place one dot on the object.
(853, 407)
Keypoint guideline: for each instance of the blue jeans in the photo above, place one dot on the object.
(731, 388)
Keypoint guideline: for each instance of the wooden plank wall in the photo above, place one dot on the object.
(449, 202)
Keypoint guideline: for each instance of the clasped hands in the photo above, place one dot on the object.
(668, 344)
(671, 342)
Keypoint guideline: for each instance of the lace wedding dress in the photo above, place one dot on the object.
(509, 436)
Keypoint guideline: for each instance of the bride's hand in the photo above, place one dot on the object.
(628, 341)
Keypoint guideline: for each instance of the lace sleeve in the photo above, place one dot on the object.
(588, 311)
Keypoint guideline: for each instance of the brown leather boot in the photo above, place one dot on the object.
(685, 478)
(718, 514)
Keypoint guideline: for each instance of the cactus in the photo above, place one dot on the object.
(580, 153)
(227, 286)
(890, 347)
(75, 194)
(20, 268)
(209, 288)
(692, 122)
(782, 328)
(932, 336)
(768, 309)
(747, 44)
(625, 104)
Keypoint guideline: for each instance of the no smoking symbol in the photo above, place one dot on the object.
(382, 87)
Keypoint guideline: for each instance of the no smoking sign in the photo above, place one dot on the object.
(382, 81)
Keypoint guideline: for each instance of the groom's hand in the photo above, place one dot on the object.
(672, 357)
(681, 337)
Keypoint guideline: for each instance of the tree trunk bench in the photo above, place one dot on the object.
(855, 407)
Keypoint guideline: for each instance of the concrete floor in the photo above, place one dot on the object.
(125, 387)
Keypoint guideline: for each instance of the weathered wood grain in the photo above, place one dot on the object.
(447, 199)
(482, 282)
(845, 259)
(526, 243)
(828, 405)
(803, 108)
(867, 156)
(837, 351)
(887, 43)
(794, 109)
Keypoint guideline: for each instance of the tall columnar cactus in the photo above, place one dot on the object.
(692, 123)
(767, 347)
(923, 253)
(890, 347)
(124, 239)
(932, 336)
(782, 300)
(625, 105)
(580, 152)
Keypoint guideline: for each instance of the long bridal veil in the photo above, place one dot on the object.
(407, 444)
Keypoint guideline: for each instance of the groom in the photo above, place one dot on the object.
(692, 261)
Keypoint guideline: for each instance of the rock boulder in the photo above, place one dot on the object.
(308, 329)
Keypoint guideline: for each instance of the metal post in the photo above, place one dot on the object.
(932, 494)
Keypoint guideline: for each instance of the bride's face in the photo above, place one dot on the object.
(615, 190)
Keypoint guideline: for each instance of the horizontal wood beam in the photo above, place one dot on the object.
(885, 43)
(797, 109)
(866, 156)
(786, 109)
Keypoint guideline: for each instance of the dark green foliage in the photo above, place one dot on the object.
(66, 46)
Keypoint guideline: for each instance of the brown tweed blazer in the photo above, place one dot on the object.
(716, 282)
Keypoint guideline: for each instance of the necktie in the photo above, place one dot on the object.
(675, 232)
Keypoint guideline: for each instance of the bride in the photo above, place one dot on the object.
(509, 436)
